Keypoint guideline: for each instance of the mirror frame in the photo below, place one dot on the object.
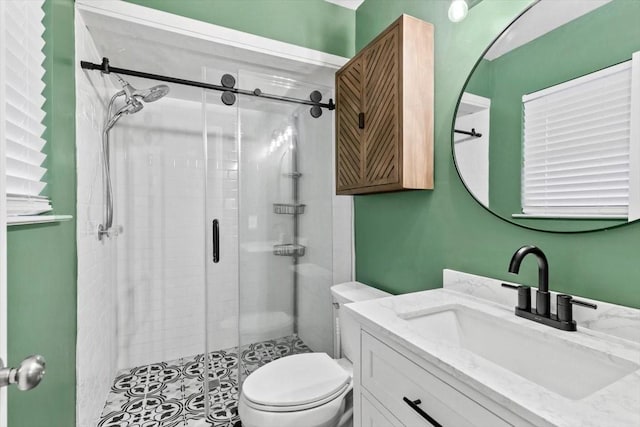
(453, 150)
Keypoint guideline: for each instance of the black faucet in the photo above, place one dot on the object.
(543, 300)
(542, 313)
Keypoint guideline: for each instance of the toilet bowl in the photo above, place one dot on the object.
(309, 389)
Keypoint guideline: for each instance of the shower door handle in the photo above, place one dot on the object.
(216, 241)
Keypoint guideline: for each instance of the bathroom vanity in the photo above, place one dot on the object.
(459, 356)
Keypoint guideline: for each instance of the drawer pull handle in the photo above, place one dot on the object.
(414, 405)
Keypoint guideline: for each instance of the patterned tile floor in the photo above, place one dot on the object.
(170, 394)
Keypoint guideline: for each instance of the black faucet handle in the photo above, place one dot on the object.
(524, 295)
(583, 303)
(565, 308)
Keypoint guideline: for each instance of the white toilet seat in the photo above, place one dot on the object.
(305, 388)
(296, 382)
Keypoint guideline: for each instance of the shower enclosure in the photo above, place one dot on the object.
(221, 252)
(218, 258)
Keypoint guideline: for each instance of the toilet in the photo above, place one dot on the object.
(309, 389)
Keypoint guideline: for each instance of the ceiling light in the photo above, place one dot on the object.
(458, 10)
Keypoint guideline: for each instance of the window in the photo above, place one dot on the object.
(581, 146)
(21, 86)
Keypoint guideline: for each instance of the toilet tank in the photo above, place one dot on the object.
(346, 331)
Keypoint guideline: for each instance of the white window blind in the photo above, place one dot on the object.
(22, 86)
(576, 150)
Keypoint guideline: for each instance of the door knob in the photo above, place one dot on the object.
(26, 376)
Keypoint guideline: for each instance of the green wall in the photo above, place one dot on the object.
(42, 258)
(315, 24)
(405, 239)
(570, 51)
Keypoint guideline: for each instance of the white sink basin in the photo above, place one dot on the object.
(564, 367)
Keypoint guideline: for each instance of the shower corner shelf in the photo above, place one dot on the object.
(289, 249)
(288, 209)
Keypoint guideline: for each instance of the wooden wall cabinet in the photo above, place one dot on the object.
(384, 112)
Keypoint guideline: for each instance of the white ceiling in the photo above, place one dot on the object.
(351, 4)
(539, 20)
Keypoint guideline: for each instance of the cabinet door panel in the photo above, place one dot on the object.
(349, 156)
(381, 105)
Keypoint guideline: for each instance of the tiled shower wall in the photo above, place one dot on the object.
(96, 341)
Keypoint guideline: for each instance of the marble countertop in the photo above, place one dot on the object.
(617, 404)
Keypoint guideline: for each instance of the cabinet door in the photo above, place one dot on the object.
(349, 150)
(381, 96)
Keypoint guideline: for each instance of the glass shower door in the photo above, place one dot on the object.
(158, 237)
(269, 189)
(284, 224)
(220, 137)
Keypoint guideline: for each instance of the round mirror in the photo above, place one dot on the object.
(547, 130)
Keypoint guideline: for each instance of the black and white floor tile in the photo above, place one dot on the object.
(170, 394)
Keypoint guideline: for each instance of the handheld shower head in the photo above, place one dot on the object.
(131, 106)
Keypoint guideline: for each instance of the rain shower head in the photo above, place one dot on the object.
(147, 95)
(153, 93)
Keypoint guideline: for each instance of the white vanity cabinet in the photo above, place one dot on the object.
(460, 357)
(389, 375)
